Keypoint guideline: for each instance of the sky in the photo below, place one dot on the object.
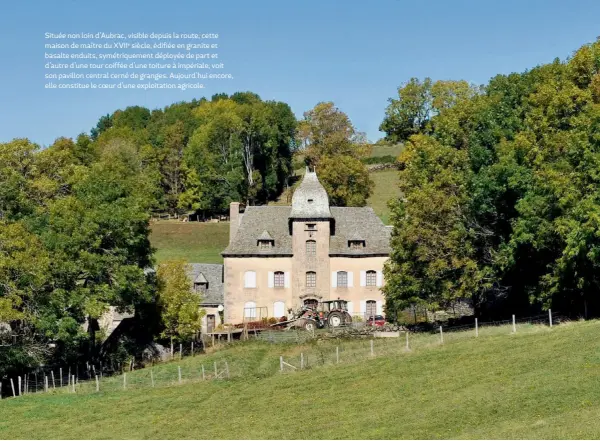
(354, 53)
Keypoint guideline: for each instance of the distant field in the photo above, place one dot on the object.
(386, 188)
(539, 383)
(191, 241)
(383, 150)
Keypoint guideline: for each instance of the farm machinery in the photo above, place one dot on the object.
(329, 313)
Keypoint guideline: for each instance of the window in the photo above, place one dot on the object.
(250, 310)
(371, 278)
(279, 279)
(356, 244)
(250, 279)
(371, 308)
(311, 227)
(264, 244)
(342, 279)
(311, 247)
(201, 287)
(311, 279)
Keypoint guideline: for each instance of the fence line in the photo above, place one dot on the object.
(306, 357)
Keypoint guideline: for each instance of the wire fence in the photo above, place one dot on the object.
(287, 351)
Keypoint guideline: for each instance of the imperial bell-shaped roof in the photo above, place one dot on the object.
(310, 200)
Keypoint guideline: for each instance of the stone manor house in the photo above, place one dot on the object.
(281, 257)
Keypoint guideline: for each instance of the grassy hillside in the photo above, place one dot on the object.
(537, 383)
(386, 188)
(191, 241)
(385, 150)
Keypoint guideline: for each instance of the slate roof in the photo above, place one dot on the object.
(213, 274)
(310, 200)
(350, 222)
(265, 236)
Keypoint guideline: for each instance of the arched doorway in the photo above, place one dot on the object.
(311, 303)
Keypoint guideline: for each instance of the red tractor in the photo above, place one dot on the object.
(331, 313)
(334, 313)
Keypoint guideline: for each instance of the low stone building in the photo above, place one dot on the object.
(207, 280)
(280, 257)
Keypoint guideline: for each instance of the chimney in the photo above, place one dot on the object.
(234, 219)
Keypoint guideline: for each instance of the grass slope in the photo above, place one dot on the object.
(385, 150)
(386, 188)
(538, 383)
(190, 241)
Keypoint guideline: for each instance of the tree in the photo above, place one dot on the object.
(418, 102)
(334, 147)
(346, 180)
(500, 199)
(180, 307)
(327, 131)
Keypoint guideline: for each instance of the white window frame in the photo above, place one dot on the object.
(250, 310)
(371, 276)
(314, 274)
(279, 279)
(341, 283)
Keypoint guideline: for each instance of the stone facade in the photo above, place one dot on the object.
(280, 257)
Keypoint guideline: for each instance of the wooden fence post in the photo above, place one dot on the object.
(53, 380)
(372, 350)
(124, 380)
(73, 382)
(407, 346)
(203, 374)
(337, 354)
(301, 360)
(12, 385)
(20, 386)
(514, 324)
(192, 349)
(476, 328)
(281, 363)
(180, 350)
(441, 335)
(550, 317)
(172, 353)
(46, 383)
(97, 384)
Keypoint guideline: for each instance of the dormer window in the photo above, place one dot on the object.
(356, 244)
(311, 227)
(265, 241)
(201, 287)
(264, 244)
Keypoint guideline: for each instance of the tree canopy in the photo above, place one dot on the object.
(501, 194)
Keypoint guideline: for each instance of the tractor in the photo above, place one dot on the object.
(334, 313)
(331, 313)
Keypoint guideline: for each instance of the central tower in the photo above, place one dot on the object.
(311, 226)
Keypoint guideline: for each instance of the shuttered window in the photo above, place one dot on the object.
(279, 279)
(371, 278)
(371, 308)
